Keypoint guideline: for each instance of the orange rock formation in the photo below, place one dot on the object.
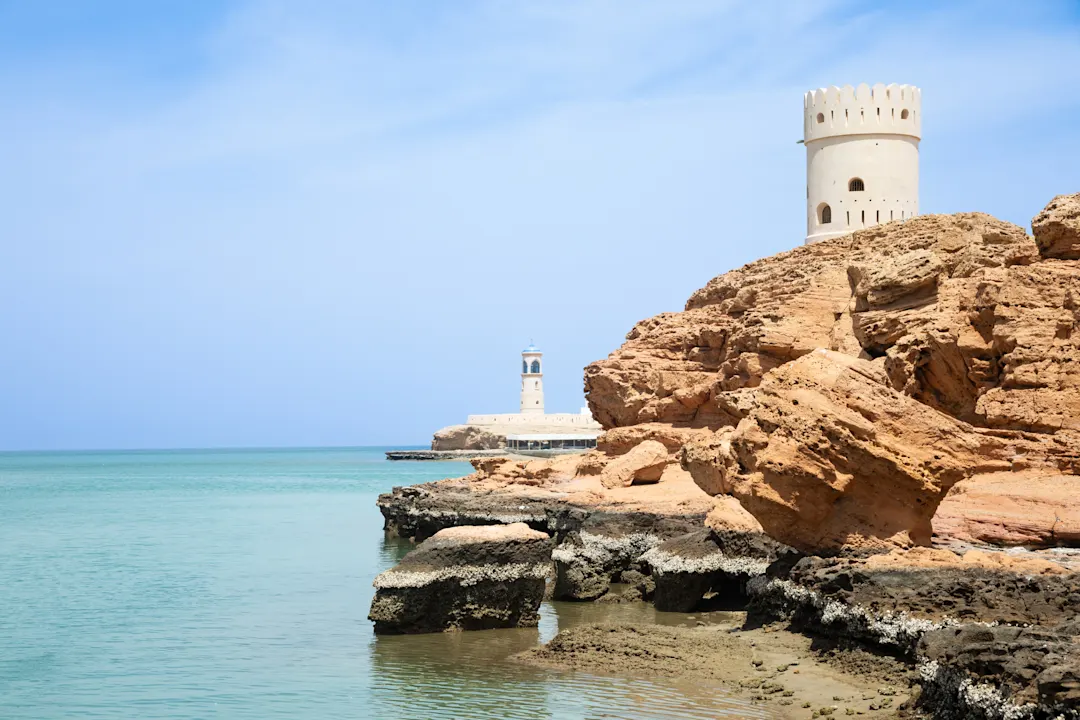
(842, 391)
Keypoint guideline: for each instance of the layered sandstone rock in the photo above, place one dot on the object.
(1012, 509)
(465, 578)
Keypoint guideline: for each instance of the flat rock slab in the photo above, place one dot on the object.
(465, 578)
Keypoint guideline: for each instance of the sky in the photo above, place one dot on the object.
(276, 223)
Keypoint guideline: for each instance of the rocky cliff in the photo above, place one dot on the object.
(841, 390)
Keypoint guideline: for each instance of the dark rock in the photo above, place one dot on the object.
(605, 545)
(976, 671)
(688, 567)
(420, 511)
(465, 578)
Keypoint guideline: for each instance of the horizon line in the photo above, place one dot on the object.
(220, 448)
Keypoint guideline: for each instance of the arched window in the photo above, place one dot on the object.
(535, 366)
(903, 114)
(536, 385)
(824, 214)
(821, 117)
(524, 367)
(856, 185)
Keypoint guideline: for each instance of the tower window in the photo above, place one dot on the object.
(903, 114)
(824, 214)
(856, 185)
(821, 117)
(524, 367)
(863, 220)
(535, 366)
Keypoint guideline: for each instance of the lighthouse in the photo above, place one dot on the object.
(532, 381)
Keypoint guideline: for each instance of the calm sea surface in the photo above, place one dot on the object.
(236, 584)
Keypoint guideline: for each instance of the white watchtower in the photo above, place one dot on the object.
(862, 157)
(532, 381)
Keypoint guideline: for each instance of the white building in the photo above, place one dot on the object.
(532, 429)
(862, 157)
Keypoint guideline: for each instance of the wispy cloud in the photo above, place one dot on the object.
(331, 200)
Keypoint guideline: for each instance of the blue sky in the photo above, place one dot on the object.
(262, 223)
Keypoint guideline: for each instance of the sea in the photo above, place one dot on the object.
(192, 584)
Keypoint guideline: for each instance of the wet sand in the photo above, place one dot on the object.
(778, 669)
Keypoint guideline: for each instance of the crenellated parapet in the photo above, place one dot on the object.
(863, 110)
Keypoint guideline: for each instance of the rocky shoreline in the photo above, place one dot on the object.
(920, 609)
(869, 444)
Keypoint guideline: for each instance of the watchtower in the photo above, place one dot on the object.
(532, 381)
(862, 157)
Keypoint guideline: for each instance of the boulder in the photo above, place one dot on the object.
(831, 456)
(467, 437)
(728, 515)
(465, 578)
(644, 463)
(1057, 228)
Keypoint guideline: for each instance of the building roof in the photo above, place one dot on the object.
(531, 349)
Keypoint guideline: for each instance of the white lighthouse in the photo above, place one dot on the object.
(532, 381)
(862, 157)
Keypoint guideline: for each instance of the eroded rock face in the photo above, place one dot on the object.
(465, 578)
(1057, 228)
(857, 295)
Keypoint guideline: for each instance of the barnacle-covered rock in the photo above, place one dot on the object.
(465, 578)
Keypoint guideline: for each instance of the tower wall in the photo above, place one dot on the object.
(532, 384)
(865, 134)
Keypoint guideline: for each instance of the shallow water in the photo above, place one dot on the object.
(235, 584)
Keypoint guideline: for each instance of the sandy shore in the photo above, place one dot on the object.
(770, 665)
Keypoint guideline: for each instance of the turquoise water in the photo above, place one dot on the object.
(236, 584)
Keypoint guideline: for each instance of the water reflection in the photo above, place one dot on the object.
(471, 675)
